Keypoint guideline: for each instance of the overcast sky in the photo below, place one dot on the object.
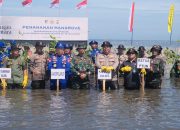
(108, 19)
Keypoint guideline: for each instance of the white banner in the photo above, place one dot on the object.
(104, 75)
(143, 63)
(57, 73)
(40, 28)
(5, 73)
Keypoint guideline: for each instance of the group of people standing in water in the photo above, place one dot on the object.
(80, 69)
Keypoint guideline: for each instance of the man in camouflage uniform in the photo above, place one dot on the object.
(3, 55)
(81, 68)
(110, 59)
(176, 69)
(3, 59)
(154, 75)
(16, 62)
(38, 67)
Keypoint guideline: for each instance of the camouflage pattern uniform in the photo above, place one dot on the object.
(154, 76)
(81, 64)
(176, 69)
(3, 55)
(17, 65)
(108, 60)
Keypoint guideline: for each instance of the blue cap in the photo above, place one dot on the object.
(60, 45)
(68, 46)
(93, 42)
(13, 42)
(2, 45)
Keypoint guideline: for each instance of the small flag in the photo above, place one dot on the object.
(131, 18)
(81, 4)
(1, 2)
(26, 2)
(170, 18)
(54, 3)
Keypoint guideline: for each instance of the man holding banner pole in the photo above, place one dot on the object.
(107, 61)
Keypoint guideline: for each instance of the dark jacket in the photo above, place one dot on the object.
(132, 78)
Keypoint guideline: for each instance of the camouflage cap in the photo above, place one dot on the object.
(156, 47)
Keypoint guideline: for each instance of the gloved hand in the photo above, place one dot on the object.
(25, 81)
(107, 68)
(3, 83)
(103, 68)
(143, 71)
(126, 69)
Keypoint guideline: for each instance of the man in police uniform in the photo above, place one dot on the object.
(81, 68)
(142, 52)
(93, 53)
(108, 59)
(68, 53)
(19, 74)
(121, 54)
(121, 58)
(131, 73)
(59, 61)
(154, 75)
(68, 50)
(38, 66)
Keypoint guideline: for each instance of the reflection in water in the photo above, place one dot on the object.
(91, 109)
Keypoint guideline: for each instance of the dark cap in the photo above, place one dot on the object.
(2, 45)
(26, 48)
(40, 44)
(93, 42)
(15, 47)
(59, 45)
(107, 44)
(81, 46)
(156, 47)
(121, 47)
(131, 51)
(141, 48)
(12, 42)
(68, 46)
